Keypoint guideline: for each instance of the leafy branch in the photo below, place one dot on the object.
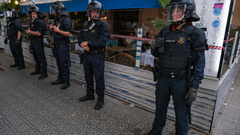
(157, 22)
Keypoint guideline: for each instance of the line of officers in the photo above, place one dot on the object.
(173, 47)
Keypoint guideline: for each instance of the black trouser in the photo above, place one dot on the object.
(62, 60)
(39, 56)
(17, 51)
(94, 65)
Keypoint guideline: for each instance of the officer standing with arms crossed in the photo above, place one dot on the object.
(93, 39)
(62, 30)
(35, 32)
(177, 45)
(14, 34)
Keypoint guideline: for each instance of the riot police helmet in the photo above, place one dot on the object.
(177, 11)
(11, 13)
(35, 9)
(59, 8)
(97, 6)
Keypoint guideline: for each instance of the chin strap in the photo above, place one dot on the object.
(95, 20)
(179, 22)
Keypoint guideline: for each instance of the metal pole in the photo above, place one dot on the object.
(89, 1)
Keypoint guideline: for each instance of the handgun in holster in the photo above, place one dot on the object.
(156, 72)
(31, 49)
(54, 51)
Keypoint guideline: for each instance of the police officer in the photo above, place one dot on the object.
(93, 39)
(176, 44)
(14, 34)
(62, 30)
(35, 32)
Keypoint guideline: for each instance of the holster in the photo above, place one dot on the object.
(40, 40)
(156, 72)
(86, 63)
(81, 56)
(31, 49)
(54, 51)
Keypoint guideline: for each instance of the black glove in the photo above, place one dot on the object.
(158, 42)
(191, 96)
(17, 42)
(5, 41)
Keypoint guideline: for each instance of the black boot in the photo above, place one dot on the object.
(65, 85)
(44, 75)
(21, 67)
(57, 82)
(14, 65)
(36, 72)
(85, 98)
(99, 105)
(151, 133)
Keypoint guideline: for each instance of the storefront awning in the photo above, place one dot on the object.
(129, 4)
(80, 5)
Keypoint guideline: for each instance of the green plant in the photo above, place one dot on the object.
(163, 3)
(157, 22)
(4, 6)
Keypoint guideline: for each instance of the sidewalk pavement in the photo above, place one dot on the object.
(228, 120)
(31, 106)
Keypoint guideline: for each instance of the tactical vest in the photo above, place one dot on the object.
(11, 30)
(33, 27)
(90, 35)
(56, 35)
(176, 53)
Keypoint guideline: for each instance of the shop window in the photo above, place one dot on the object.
(230, 51)
(125, 22)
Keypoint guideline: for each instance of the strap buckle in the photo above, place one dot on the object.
(172, 75)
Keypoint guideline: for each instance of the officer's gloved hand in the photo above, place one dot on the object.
(17, 42)
(5, 41)
(158, 42)
(191, 96)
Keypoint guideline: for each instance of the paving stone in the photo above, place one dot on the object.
(31, 106)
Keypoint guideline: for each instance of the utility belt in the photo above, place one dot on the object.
(12, 38)
(62, 42)
(97, 51)
(179, 75)
(157, 72)
(36, 39)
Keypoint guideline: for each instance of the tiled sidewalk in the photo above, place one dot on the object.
(228, 120)
(31, 106)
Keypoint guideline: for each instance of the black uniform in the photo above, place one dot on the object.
(179, 45)
(37, 45)
(94, 59)
(96, 33)
(13, 27)
(61, 44)
(178, 49)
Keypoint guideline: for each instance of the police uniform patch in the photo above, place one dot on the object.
(59, 24)
(92, 31)
(32, 25)
(181, 40)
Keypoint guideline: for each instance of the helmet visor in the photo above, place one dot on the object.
(175, 13)
(8, 13)
(51, 10)
(94, 14)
